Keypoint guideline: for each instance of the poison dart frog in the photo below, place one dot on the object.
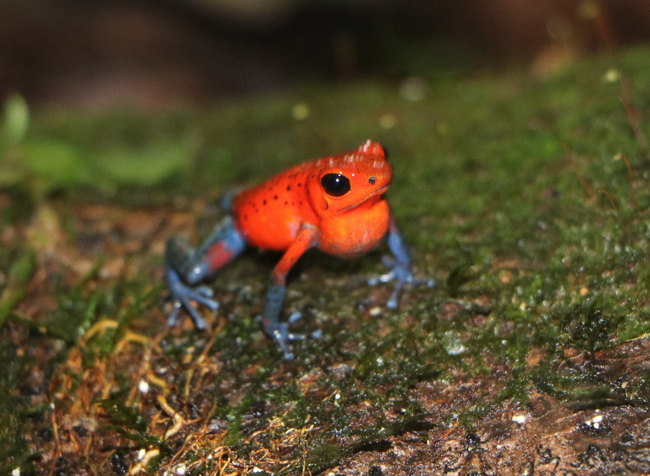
(335, 204)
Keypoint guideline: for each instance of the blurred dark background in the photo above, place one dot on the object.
(149, 53)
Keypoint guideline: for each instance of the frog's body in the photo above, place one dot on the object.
(335, 204)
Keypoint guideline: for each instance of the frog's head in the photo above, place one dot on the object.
(345, 182)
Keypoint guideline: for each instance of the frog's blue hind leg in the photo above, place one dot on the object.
(185, 266)
(400, 264)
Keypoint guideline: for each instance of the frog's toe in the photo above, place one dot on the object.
(402, 274)
(173, 316)
(183, 302)
(294, 317)
(282, 335)
(393, 301)
(204, 291)
(206, 301)
(429, 283)
(382, 278)
(183, 295)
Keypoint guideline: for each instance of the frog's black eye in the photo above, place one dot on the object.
(336, 185)
(372, 180)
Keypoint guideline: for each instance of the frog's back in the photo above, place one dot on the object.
(270, 214)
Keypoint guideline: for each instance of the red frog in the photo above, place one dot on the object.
(335, 204)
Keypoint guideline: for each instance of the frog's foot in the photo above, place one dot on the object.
(183, 295)
(402, 274)
(281, 334)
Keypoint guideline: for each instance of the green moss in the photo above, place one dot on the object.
(14, 448)
(129, 423)
(18, 278)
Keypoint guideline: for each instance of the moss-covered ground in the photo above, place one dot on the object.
(526, 199)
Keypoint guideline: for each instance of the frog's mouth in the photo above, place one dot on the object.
(377, 192)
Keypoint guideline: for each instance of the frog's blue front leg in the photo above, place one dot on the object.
(186, 266)
(401, 266)
(307, 238)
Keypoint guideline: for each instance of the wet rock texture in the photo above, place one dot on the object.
(559, 441)
(543, 437)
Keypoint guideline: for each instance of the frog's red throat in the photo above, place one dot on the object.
(377, 192)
